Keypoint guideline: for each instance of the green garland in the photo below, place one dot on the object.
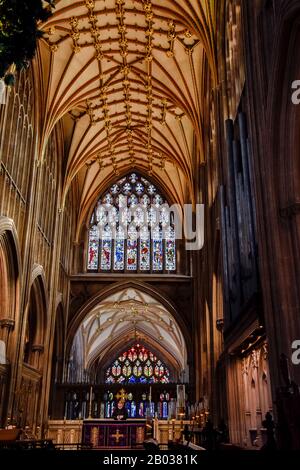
(19, 32)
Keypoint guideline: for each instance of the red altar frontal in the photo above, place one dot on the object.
(107, 433)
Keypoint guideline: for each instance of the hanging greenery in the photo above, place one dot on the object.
(19, 32)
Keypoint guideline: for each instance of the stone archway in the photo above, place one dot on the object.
(27, 411)
(115, 321)
(10, 273)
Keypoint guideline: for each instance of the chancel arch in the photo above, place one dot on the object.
(127, 314)
(121, 286)
(130, 326)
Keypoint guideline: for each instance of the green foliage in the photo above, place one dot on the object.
(19, 32)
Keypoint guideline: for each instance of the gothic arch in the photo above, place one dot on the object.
(36, 319)
(10, 281)
(109, 181)
(117, 287)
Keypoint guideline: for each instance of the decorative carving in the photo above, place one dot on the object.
(254, 358)
(171, 38)
(164, 111)
(245, 369)
(75, 34)
(148, 84)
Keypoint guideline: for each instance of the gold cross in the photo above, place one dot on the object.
(121, 394)
(117, 436)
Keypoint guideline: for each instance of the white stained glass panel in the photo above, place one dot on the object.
(152, 216)
(139, 189)
(127, 188)
(101, 215)
(113, 216)
(145, 200)
(164, 215)
(139, 216)
(158, 200)
(133, 201)
(107, 200)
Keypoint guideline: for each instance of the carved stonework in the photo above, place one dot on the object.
(255, 359)
(245, 369)
(265, 351)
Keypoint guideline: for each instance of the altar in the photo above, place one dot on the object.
(109, 433)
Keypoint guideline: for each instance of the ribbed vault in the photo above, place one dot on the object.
(118, 321)
(126, 79)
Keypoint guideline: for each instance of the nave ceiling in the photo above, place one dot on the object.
(126, 79)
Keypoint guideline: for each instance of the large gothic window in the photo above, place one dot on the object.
(137, 365)
(132, 229)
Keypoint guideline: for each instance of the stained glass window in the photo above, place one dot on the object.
(132, 246)
(157, 250)
(170, 250)
(131, 229)
(106, 243)
(137, 365)
(93, 248)
(119, 251)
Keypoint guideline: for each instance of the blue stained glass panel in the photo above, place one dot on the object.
(133, 410)
(165, 410)
(119, 254)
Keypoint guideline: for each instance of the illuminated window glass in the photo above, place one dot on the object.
(157, 249)
(128, 229)
(106, 244)
(132, 249)
(137, 365)
(170, 248)
(119, 253)
(93, 248)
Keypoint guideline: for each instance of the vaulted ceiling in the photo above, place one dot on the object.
(122, 317)
(126, 79)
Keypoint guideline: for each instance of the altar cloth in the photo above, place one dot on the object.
(107, 434)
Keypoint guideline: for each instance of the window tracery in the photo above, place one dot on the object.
(131, 229)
